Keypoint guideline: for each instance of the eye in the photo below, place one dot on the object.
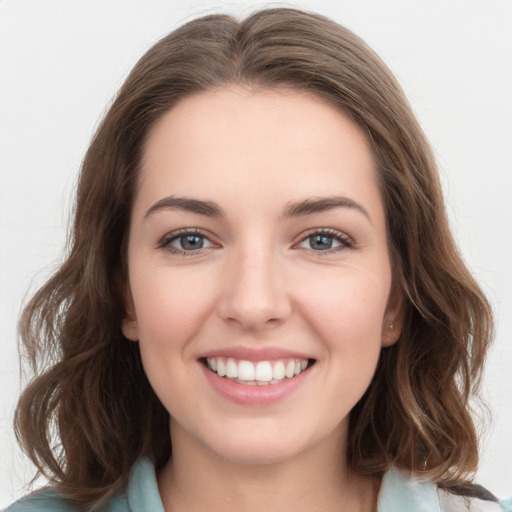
(326, 240)
(185, 241)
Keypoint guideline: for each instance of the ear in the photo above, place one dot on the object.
(393, 318)
(129, 325)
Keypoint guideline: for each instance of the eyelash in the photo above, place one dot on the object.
(345, 242)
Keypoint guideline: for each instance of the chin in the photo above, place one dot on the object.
(266, 444)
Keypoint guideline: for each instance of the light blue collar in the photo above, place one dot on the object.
(401, 493)
(142, 492)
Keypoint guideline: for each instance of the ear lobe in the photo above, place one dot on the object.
(130, 329)
(129, 325)
(393, 319)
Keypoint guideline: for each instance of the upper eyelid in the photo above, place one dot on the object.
(187, 231)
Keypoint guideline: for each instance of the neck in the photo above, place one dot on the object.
(196, 479)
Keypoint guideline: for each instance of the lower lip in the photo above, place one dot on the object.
(254, 395)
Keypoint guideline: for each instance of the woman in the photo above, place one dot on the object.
(263, 306)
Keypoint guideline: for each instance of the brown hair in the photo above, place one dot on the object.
(76, 418)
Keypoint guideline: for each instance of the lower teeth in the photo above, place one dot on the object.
(256, 382)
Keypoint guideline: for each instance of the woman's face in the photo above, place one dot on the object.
(259, 275)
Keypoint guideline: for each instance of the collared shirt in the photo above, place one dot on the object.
(399, 493)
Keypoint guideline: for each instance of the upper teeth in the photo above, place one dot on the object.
(262, 372)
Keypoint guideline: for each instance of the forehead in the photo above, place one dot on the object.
(238, 142)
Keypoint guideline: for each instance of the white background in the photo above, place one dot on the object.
(61, 62)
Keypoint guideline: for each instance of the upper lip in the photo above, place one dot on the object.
(255, 353)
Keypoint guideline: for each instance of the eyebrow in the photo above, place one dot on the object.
(293, 209)
(208, 208)
(322, 204)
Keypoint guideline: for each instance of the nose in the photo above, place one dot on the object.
(254, 292)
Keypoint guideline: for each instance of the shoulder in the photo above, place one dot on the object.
(141, 495)
(474, 503)
(42, 501)
(400, 491)
(50, 501)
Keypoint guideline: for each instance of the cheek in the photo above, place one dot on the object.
(346, 315)
(348, 321)
(169, 306)
(169, 310)
(349, 309)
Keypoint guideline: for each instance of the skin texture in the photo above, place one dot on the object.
(258, 283)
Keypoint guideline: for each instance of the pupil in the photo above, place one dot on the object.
(191, 242)
(319, 242)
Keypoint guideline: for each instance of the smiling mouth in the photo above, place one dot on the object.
(260, 373)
